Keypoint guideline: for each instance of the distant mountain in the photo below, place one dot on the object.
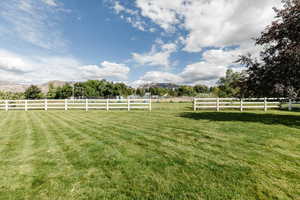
(16, 87)
(12, 87)
(161, 85)
(45, 87)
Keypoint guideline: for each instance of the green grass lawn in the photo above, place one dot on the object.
(169, 153)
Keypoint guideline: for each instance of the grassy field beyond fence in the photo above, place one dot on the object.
(169, 153)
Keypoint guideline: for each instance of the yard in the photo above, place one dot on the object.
(169, 153)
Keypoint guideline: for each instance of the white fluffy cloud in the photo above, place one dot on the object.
(213, 65)
(161, 77)
(156, 57)
(105, 70)
(164, 13)
(17, 68)
(223, 23)
(207, 23)
(118, 7)
(13, 63)
(217, 23)
(157, 77)
(50, 2)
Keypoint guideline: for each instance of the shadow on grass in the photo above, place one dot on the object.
(269, 119)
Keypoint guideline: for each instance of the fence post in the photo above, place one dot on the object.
(86, 104)
(66, 104)
(290, 104)
(150, 104)
(46, 104)
(218, 104)
(241, 104)
(128, 104)
(6, 105)
(265, 104)
(195, 104)
(107, 106)
(26, 106)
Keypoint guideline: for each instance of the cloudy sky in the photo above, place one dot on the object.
(133, 41)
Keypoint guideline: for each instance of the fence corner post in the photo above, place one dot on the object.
(265, 104)
(6, 105)
(86, 104)
(128, 104)
(195, 104)
(218, 104)
(107, 106)
(242, 105)
(46, 104)
(26, 105)
(290, 105)
(66, 104)
(150, 104)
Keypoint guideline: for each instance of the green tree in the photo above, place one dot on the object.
(79, 90)
(64, 92)
(215, 91)
(140, 92)
(185, 91)
(278, 72)
(201, 89)
(11, 95)
(229, 85)
(51, 94)
(33, 92)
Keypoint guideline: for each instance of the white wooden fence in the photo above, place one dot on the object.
(241, 104)
(72, 104)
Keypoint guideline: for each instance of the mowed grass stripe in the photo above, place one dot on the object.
(109, 137)
(105, 161)
(124, 171)
(85, 164)
(12, 160)
(178, 144)
(71, 177)
(53, 173)
(119, 155)
(176, 151)
(5, 124)
(126, 125)
(65, 138)
(193, 146)
(259, 131)
(112, 128)
(133, 137)
(162, 153)
(26, 159)
(15, 134)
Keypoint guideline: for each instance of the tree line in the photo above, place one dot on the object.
(106, 89)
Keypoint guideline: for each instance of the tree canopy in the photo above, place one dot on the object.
(33, 92)
(277, 71)
(228, 86)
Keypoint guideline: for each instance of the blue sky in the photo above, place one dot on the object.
(136, 41)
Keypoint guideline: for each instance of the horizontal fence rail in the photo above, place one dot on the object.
(79, 104)
(241, 104)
